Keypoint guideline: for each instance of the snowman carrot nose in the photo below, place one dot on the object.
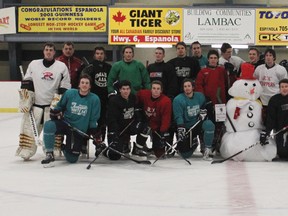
(252, 91)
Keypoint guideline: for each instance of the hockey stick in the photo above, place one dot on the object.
(89, 165)
(32, 117)
(174, 144)
(249, 147)
(172, 147)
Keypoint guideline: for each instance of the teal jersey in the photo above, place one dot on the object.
(81, 112)
(203, 61)
(186, 110)
(133, 71)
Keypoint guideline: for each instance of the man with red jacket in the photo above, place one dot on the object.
(157, 108)
(73, 63)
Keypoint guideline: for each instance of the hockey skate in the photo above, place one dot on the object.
(139, 151)
(208, 155)
(49, 160)
(126, 148)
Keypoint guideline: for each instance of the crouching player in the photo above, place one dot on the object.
(188, 108)
(81, 110)
(44, 79)
(123, 121)
(158, 111)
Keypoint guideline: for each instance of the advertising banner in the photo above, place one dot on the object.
(145, 25)
(272, 26)
(62, 19)
(7, 21)
(219, 25)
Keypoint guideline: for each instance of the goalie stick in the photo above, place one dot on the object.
(174, 144)
(249, 147)
(32, 117)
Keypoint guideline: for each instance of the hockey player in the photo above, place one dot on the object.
(158, 110)
(99, 74)
(74, 64)
(80, 109)
(123, 121)
(196, 51)
(129, 69)
(163, 72)
(188, 108)
(44, 78)
(269, 75)
(277, 118)
(184, 66)
(211, 81)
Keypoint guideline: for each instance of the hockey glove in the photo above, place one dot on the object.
(26, 100)
(55, 114)
(263, 138)
(181, 133)
(202, 114)
(164, 139)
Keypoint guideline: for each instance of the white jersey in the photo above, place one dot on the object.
(269, 79)
(47, 81)
(235, 60)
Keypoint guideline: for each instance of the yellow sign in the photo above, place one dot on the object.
(271, 26)
(62, 19)
(145, 25)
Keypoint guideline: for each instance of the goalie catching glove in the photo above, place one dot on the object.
(26, 100)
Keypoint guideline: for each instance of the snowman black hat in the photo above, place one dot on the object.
(247, 71)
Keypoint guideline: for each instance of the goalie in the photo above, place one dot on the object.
(45, 80)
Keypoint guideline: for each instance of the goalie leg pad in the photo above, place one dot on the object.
(27, 147)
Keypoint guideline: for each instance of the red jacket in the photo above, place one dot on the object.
(158, 111)
(211, 82)
(74, 66)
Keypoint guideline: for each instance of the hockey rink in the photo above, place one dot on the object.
(168, 188)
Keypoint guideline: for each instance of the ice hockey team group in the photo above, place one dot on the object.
(175, 103)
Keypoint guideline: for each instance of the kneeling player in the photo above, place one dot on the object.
(123, 121)
(81, 109)
(188, 108)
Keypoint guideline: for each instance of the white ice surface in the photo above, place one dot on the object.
(170, 187)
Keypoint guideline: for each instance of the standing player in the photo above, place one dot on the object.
(73, 63)
(44, 78)
(269, 75)
(99, 74)
(80, 109)
(163, 72)
(188, 108)
(158, 110)
(197, 53)
(184, 66)
(128, 69)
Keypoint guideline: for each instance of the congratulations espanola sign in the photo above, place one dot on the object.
(145, 25)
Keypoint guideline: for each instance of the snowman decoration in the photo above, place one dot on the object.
(244, 123)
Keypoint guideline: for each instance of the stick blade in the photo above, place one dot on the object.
(217, 161)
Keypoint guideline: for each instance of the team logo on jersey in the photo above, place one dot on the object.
(193, 111)
(80, 109)
(182, 71)
(150, 111)
(128, 113)
(155, 74)
(47, 75)
(101, 79)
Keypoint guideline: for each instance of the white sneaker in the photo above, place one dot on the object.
(208, 155)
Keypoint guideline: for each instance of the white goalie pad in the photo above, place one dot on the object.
(26, 100)
(28, 135)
